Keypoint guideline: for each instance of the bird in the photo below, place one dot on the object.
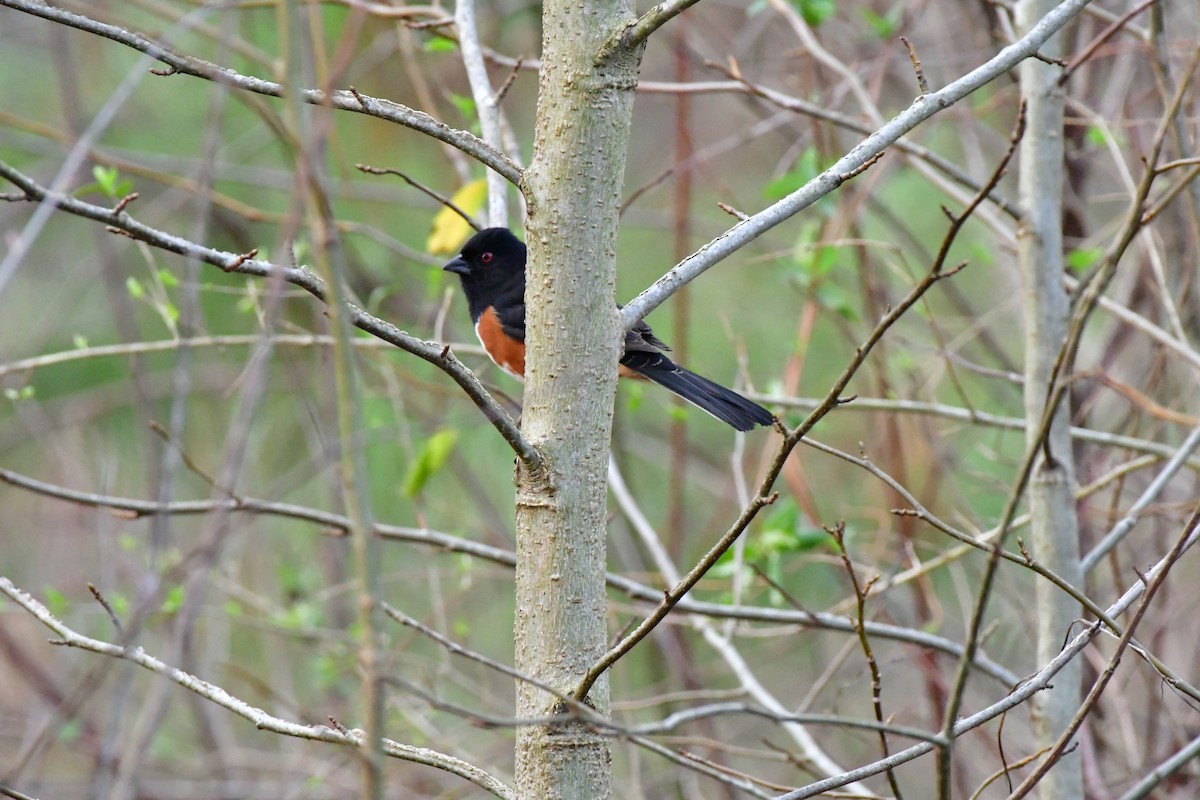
(492, 268)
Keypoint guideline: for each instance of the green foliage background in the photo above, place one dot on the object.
(274, 622)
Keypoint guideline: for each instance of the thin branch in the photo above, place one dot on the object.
(345, 100)
(636, 733)
(811, 751)
(108, 609)
(703, 768)
(764, 496)
(1090, 49)
(671, 598)
(456, 648)
(1151, 493)
(860, 596)
(436, 195)
(166, 345)
(437, 354)
(261, 719)
(1114, 660)
(14, 794)
(1023, 559)
(1039, 681)
(133, 509)
(1088, 297)
(738, 83)
(921, 109)
(636, 33)
(486, 105)
(865, 404)
(1005, 771)
(918, 70)
(1182, 757)
(670, 723)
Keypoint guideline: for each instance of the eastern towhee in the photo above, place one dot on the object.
(492, 268)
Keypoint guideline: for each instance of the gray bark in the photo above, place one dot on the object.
(572, 188)
(1054, 528)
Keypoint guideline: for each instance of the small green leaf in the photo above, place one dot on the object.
(634, 395)
(805, 168)
(464, 103)
(678, 412)
(70, 730)
(815, 11)
(430, 460)
(304, 615)
(1097, 136)
(439, 44)
(785, 531)
(106, 179)
(135, 288)
(1084, 258)
(56, 601)
(331, 668)
(80, 341)
(173, 601)
(15, 395)
(167, 278)
(813, 539)
(233, 608)
(837, 299)
(816, 262)
(883, 25)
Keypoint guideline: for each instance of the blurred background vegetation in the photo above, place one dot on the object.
(270, 618)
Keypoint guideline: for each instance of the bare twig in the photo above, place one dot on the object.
(1164, 770)
(1151, 493)
(922, 84)
(487, 107)
(1023, 692)
(1090, 292)
(428, 191)
(432, 352)
(14, 794)
(1113, 28)
(637, 32)
(764, 495)
(133, 509)
(1089, 703)
(905, 145)
(108, 609)
(860, 596)
(344, 100)
(945, 411)
(261, 719)
(921, 109)
(671, 598)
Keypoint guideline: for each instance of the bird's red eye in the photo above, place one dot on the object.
(486, 258)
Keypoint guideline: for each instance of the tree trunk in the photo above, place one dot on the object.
(572, 328)
(1054, 532)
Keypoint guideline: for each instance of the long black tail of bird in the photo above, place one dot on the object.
(724, 404)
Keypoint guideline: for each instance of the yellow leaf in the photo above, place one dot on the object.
(450, 230)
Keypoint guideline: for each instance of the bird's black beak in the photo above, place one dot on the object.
(458, 265)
